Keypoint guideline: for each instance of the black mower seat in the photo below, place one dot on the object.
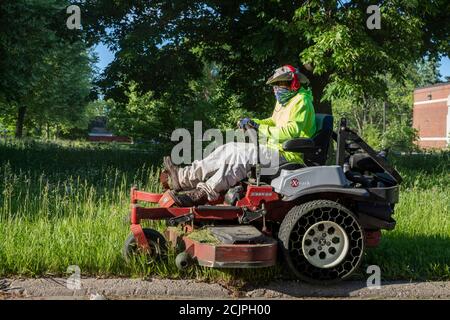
(314, 149)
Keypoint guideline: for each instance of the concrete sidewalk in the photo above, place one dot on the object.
(55, 288)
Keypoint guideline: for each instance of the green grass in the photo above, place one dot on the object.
(419, 247)
(203, 235)
(64, 204)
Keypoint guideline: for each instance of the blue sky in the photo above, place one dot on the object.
(445, 67)
(106, 56)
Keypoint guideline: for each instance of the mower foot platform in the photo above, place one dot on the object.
(238, 234)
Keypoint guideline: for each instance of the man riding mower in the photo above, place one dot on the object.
(321, 217)
(292, 118)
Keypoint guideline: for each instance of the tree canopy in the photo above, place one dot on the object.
(46, 69)
(161, 45)
(177, 61)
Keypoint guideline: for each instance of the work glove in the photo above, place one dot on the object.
(246, 123)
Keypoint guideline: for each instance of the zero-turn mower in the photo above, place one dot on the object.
(319, 218)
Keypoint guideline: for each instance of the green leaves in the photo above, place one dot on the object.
(250, 39)
(163, 47)
(44, 67)
(340, 44)
(390, 128)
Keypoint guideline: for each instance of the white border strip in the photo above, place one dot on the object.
(448, 120)
(430, 101)
(432, 138)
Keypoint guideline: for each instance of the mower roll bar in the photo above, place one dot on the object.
(345, 138)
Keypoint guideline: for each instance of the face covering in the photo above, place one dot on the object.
(283, 95)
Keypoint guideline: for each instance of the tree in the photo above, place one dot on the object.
(142, 116)
(63, 95)
(46, 69)
(162, 45)
(357, 58)
(387, 122)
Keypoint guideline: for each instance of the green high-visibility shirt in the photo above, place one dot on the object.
(296, 119)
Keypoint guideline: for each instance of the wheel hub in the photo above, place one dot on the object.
(325, 244)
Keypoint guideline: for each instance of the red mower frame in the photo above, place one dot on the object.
(222, 255)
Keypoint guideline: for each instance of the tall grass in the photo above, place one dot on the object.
(65, 204)
(419, 247)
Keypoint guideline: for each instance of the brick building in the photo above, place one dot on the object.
(431, 115)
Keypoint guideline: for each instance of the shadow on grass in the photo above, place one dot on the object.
(66, 158)
(407, 257)
(402, 259)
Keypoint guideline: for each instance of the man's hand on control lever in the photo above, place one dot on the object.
(247, 123)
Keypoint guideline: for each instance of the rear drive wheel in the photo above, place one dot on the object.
(322, 241)
(157, 242)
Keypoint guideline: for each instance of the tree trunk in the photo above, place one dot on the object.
(20, 121)
(318, 84)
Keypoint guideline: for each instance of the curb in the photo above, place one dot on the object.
(56, 288)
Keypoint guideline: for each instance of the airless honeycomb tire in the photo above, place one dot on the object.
(322, 241)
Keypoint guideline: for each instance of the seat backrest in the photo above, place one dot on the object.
(322, 138)
(324, 122)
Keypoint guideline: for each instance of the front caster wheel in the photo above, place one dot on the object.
(183, 261)
(158, 246)
(322, 241)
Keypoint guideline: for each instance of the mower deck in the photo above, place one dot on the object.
(244, 253)
(237, 246)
